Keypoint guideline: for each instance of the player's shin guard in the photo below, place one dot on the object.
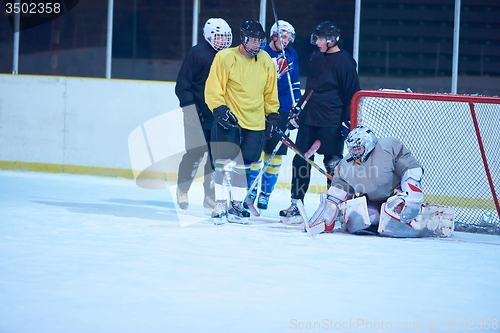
(253, 173)
(237, 212)
(223, 179)
(270, 176)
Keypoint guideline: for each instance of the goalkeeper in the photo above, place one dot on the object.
(388, 176)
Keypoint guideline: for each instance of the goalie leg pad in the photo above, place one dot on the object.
(432, 221)
(439, 221)
(316, 224)
(355, 215)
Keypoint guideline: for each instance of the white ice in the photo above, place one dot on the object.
(95, 254)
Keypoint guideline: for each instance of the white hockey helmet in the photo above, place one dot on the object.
(360, 142)
(283, 26)
(218, 33)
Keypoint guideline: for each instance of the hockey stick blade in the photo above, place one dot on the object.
(314, 148)
(251, 206)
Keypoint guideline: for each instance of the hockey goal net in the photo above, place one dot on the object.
(456, 138)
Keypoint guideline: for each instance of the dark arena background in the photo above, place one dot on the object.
(403, 43)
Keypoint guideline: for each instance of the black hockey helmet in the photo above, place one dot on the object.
(328, 30)
(251, 29)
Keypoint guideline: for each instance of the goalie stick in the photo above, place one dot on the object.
(249, 202)
(310, 152)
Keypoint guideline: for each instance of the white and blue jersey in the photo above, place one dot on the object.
(289, 63)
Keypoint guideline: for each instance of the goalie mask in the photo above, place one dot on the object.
(252, 37)
(360, 142)
(218, 33)
(283, 26)
(328, 30)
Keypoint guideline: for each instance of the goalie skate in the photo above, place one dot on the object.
(432, 221)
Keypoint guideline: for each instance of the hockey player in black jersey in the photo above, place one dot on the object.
(333, 77)
(190, 89)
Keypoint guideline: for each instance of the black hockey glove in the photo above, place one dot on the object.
(272, 124)
(225, 117)
(293, 119)
(346, 128)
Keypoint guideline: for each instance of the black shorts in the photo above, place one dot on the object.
(330, 137)
(273, 141)
(227, 144)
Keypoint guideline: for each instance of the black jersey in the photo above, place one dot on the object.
(190, 86)
(334, 79)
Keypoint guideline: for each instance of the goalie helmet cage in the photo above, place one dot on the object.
(455, 138)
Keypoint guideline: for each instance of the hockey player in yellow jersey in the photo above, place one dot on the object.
(241, 90)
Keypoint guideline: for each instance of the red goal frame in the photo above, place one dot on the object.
(471, 100)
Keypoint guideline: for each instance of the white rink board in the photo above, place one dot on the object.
(32, 119)
(85, 122)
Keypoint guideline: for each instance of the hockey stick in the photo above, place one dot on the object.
(286, 140)
(249, 202)
(283, 52)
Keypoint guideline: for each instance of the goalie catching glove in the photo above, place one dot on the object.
(225, 117)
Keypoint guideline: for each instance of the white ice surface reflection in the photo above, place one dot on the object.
(96, 254)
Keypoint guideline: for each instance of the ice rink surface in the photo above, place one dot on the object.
(95, 254)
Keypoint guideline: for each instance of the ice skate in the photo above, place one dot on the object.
(182, 199)
(291, 215)
(237, 213)
(263, 201)
(208, 204)
(252, 197)
(219, 212)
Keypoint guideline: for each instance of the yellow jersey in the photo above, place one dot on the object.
(247, 86)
